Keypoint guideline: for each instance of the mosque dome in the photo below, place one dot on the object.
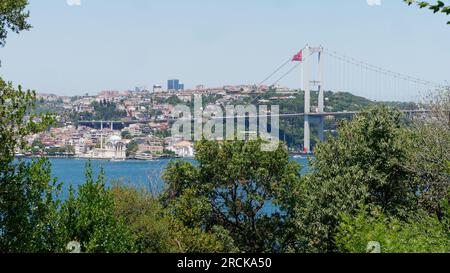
(115, 138)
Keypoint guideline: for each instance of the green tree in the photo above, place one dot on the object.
(28, 212)
(431, 152)
(246, 194)
(13, 17)
(126, 135)
(132, 148)
(106, 110)
(144, 216)
(154, 230)
(363, 165)
(89, 218)
(29, 221)
(436, 7)
(32, 218)
(162, 133)
(37, 147)
(70, 150)
(418, 234)
(445, 206)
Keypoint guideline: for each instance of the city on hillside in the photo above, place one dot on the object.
(134, 124)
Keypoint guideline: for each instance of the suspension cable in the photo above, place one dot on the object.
(286, 74)
(380, 70)
(275, 72)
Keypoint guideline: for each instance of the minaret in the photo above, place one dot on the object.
(101, 135)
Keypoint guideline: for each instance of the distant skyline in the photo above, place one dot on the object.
(86, 46)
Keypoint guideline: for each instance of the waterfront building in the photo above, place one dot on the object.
(183, 149)
(150, 149)
(114, 149)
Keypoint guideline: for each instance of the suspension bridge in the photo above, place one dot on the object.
(340, 74)
(346, 74)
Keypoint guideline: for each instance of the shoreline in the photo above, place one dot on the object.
(135, 159)
(100, 159)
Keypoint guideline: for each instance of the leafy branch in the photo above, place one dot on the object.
(439, 6)
(13, 16)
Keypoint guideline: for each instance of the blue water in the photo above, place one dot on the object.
(141, 174)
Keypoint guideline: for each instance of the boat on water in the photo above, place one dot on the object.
(301, 154)
(144, 157)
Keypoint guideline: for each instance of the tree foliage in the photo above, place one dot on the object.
(436, 7)
(378, 161)
(155, 230)
(363, 165)
(430, 153)
(28, 216)
(239, 189)
(107, 110)
(132, 148)
(420, 233)
(13, 17)
(89, 218)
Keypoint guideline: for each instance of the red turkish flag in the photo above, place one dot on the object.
(298, 57)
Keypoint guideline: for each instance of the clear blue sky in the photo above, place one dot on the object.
(120, 44)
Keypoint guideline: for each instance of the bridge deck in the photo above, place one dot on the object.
(324, 114)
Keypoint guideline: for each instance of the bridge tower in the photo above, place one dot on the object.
(308, 54)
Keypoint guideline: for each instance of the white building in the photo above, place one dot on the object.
(157, 88)
(183, 149)
(114, 149)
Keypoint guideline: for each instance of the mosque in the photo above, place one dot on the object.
(114, 149)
